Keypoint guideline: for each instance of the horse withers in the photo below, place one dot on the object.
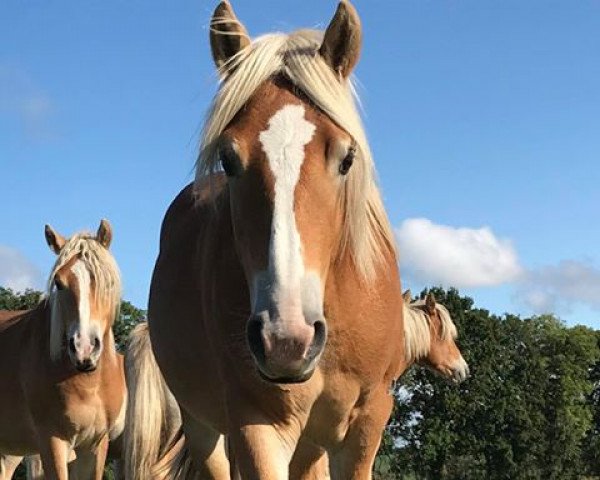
(63, 387)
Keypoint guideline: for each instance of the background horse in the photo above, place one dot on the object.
(63, 385)
(430, 338)
(275, 309)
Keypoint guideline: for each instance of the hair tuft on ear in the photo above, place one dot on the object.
(342, 40)
(430, 302)
(104, 233)
(228, 36)
(54, 239)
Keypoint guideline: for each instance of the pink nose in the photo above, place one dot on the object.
(83, 351)
(289, 346)
(285, 351)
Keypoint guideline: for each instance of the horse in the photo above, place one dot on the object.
(430, 338)
(430, 341)
(63, 385)
(275, 308)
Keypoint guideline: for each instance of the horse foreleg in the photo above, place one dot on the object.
(55, 454)
(89, 464)
(262, 452)
(207, 450)
(355, 459)
(309, 462)
(8, 465)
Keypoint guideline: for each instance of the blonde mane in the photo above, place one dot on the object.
(103, 270)
(367, 231)
(417, 329)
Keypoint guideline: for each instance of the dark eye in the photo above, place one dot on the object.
(230, 160)
(58, 284)
(347, 161)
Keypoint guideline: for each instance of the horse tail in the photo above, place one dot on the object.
(176, 462)
(153, 440)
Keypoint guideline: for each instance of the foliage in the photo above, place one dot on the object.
(130, 316)
(526, 412)
(9, 300)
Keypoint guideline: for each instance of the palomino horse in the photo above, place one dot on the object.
(429, 336)
(63, 385)
(275, 309)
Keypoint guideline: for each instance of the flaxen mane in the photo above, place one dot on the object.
(417, 329)
(367, 231)
(105, 276)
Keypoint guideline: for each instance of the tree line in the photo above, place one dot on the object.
(530, 410)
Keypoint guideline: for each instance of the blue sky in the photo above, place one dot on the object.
(484, 118)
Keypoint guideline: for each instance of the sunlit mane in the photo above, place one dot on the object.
(367, 231)
(105, 278)
(417, 329)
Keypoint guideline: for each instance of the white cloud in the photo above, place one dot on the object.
(457, 257)
(559, 287)
(21, 97)
(16, 271)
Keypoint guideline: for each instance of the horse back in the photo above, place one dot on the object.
(9, 318)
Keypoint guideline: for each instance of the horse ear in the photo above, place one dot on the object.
(342, 40)
(430, 303)
(407, 297)
(104, 234)
(54, 239)
(228, 36)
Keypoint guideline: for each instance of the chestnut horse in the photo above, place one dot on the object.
(63, 385)
(275, 309)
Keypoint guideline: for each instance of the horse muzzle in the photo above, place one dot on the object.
(84, 352)
(286, 351)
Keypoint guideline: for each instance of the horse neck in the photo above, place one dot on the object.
(359, 303)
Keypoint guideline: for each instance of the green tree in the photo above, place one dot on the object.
(591, 445)
(523, 414)
(129, 317)
(10, 300)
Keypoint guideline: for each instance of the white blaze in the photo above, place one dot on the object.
(83, 279)
(283, 143)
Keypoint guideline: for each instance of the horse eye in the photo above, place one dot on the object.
(59, 285)
(229, 161)
(347, 161)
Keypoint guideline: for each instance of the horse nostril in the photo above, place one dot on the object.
(97, 343)
(72, 344)
(255, 340)
(319, 339)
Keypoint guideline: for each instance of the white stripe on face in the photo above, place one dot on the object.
(84, 282)
(283, 143)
